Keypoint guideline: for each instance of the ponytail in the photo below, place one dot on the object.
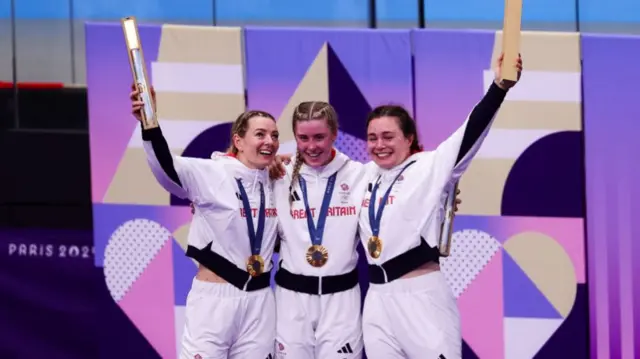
(295, 175)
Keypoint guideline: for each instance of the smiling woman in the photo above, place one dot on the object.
(315, 125)
(393, 126)
(318, 199)
(232, 236)
(409, 187)
(254, 142)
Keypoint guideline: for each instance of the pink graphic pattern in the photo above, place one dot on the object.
(149, 303)
(483, 329)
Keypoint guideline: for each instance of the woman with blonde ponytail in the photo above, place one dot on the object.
(318, 301)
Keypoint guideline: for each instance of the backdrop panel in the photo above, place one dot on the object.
(613, 197)
(354, 70)
(140, 230)
(49, 291)
(518, 247)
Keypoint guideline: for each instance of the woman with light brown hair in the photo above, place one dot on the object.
(230, 310)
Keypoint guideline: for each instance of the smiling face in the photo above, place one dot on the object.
(391, 136)
(315, 140)
(255, 139)
(315, 127)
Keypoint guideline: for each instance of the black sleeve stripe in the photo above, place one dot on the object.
(162, 152)
(480, 118)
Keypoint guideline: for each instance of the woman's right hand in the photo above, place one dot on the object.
(136, 102)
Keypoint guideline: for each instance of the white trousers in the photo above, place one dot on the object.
(413, 318)
(224, 322)
(319, 326)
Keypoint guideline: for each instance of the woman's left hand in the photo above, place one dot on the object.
(276, 168)
(517, 63)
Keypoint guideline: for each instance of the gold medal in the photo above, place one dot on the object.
(317, 255)
(255, 265)
(374, 245)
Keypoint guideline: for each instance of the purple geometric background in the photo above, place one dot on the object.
(54, 302)
(547, 179)
(272, 76)
(108, 84)
(611, 126)
(448, 74)
(448, 81)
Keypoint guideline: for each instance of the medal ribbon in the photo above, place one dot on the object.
(255, 237)
(374, 220)
(316, 233)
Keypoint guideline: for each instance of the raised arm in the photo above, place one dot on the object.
(162, 163)
(178, 175)
(480, 119)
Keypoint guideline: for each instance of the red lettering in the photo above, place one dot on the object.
(298, 213)
(365, 202)
(389, 200)
(268, 212)
(336, 211)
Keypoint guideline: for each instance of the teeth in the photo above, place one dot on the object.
(267, 153)
(383, 155)
(314, 155)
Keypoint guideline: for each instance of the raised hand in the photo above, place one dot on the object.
(276, 168)
(457, 201)
(136, 102)
(505, 85)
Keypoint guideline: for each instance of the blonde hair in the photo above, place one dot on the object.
(307, 111)
(241, 125)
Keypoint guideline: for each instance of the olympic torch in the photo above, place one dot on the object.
(446, 228)
(139, 71)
